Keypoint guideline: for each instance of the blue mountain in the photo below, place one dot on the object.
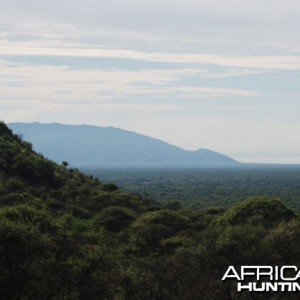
(93, 146)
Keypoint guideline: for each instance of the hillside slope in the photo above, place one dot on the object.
(84, 146)
(27, 175)
(64, 235)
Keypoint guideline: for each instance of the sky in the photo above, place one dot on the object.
(216, 74)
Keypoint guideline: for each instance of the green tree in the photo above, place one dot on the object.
(115, 218)
(264, 211)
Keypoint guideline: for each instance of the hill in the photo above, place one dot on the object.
(29, 175)
(92, 146)
(64, 235)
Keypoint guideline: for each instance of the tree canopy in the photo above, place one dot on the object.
(68, 236)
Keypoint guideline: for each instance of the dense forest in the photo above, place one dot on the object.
(200, 188)
(67, 236)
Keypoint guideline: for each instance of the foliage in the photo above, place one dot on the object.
(261, 211)
(201, 188)
(114, 218)
(67, 236)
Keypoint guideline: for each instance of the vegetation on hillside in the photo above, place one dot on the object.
(68, 236)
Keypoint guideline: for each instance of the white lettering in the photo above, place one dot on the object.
(245, 273)
(296, 287)
(282, 276)
(285, 284)
(265, 273)
(265, 278)
(247, 287)
(256, 288)
(234, 275)
(271, 286)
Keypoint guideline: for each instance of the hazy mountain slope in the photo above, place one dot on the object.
(26, 176)
(85, 145)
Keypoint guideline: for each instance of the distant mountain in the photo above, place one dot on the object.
(92, 146)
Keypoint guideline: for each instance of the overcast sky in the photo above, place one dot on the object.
(217, 74)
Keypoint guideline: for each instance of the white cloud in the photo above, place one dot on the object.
(60, 83)
(208, 73)
(271, 62)
(191, 26)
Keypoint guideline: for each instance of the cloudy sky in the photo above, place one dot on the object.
(217, 74)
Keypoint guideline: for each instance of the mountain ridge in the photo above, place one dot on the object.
(91, 145)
